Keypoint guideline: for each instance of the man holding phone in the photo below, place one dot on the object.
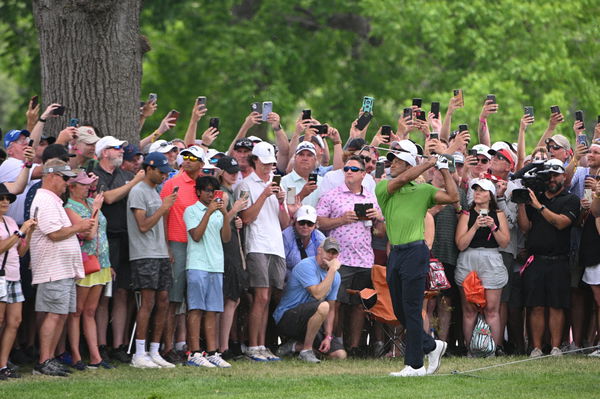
(149, 256)
(299, 179)
(336, 211)
(404, 204)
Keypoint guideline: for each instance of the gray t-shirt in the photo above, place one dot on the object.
(151, 244)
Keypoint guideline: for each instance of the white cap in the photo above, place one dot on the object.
(405, 145)
(554, 165)
(255, 139)
(106, 142)
(265, 152)
(404, 156)
(212, 152)
(306, 146)
(485, 184)
(161, 146)
(194, 150)
(458, 157)
(179, 159)
(306, 212)
(483, 149)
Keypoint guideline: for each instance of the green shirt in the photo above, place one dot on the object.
(405, 209)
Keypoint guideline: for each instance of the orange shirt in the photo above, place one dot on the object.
(176, 230)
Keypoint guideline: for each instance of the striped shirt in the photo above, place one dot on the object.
(53, 260)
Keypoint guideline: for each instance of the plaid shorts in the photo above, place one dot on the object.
(14, 293)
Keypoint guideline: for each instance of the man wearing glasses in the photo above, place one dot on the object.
(116, 184)
(348, 212)
(194, 165)
(547, 221)
(335, 178)
(302, 238)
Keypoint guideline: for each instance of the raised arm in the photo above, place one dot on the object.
(198, 111)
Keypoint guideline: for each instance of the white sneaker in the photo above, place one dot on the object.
(536, 352)
(269, 355)
(218, 361)
(256, 355)
(556, 352)
(435, 356)
(199, 360)
(408, 371)
(158, 359)
(595, 353)
(143, 361)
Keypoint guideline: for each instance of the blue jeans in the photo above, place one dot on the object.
(406, 272)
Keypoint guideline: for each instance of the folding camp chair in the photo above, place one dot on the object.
(377, 304)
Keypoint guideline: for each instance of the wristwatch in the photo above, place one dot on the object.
(542, 208)
(19, 234)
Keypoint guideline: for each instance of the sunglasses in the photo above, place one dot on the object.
(554, 147)
(552, 168)
(117, 147)
(306, 223)
(365, 158)
(208, 171)
(65, 178)
(190, 158)
(483, 161)
(352, 168)
(214, 161)
(4, 198)
(502, 157)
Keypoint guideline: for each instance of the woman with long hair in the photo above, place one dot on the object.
(480, 233)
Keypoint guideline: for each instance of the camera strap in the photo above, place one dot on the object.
(5, 253)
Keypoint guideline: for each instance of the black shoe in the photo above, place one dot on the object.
(121, 355)
(9, 372)
(48, 368)
(356, 353)
(101, 365)
(236, 349)
(172, 357)
(18, 356)
(80, 366)
(500, 351)
(227, 355)
(58, 365)
(104, 353)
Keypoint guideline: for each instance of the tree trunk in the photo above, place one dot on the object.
(91, 62)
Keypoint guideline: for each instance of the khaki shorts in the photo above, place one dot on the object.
(265, 270)
(56, 297)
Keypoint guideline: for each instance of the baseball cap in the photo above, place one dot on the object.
(356, 144)
(195, 151)
(13, 135)
(48, 139)
(255, 139)
(406, 146)
(306, 212)
(228, 164)
(243, 143)
(107, 142)
(131, 151)
(306, 146)
(402, 155)
(55, 151)
(265, 152)
(553, 165)
(58, 166)
(508, 154)
(212, 153)
(560, 140)
(459, 157)
(157, 160)
(161, 146)
(86, 135)
(82, 178)
(482, 149)
(331, 244)
(485, 184)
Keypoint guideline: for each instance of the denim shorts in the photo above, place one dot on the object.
(205, 290)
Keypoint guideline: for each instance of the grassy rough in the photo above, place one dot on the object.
(565, 377)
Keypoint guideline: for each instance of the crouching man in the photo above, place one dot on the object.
(306, 311)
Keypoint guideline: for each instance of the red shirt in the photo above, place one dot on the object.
(176, 230)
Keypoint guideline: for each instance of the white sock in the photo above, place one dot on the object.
(261, 347)
(252, 348)
(140, 346)
(179, 346)
(294, 347)
(154, 346)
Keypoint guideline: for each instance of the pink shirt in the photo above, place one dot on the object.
(12, 259)
(186, 196)
(53, 260)
(354, 238)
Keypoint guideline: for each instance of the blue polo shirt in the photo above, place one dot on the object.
(306, 273)
(292, 253)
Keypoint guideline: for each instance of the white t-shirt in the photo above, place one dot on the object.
(9, 171)
(293, 179)
(264, 234)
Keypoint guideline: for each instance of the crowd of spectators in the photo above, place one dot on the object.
(200, 252)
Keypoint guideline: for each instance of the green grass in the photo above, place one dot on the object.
(565, 377)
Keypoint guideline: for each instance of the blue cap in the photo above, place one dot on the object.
(13, 135)
(157, 160)
(130, 152)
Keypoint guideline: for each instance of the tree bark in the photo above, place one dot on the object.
(91, 62)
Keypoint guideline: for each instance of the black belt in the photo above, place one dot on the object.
(408, 245)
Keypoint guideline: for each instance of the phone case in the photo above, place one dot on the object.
(256, 107)
(367, 105)
(267, 108)
(364, 120)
